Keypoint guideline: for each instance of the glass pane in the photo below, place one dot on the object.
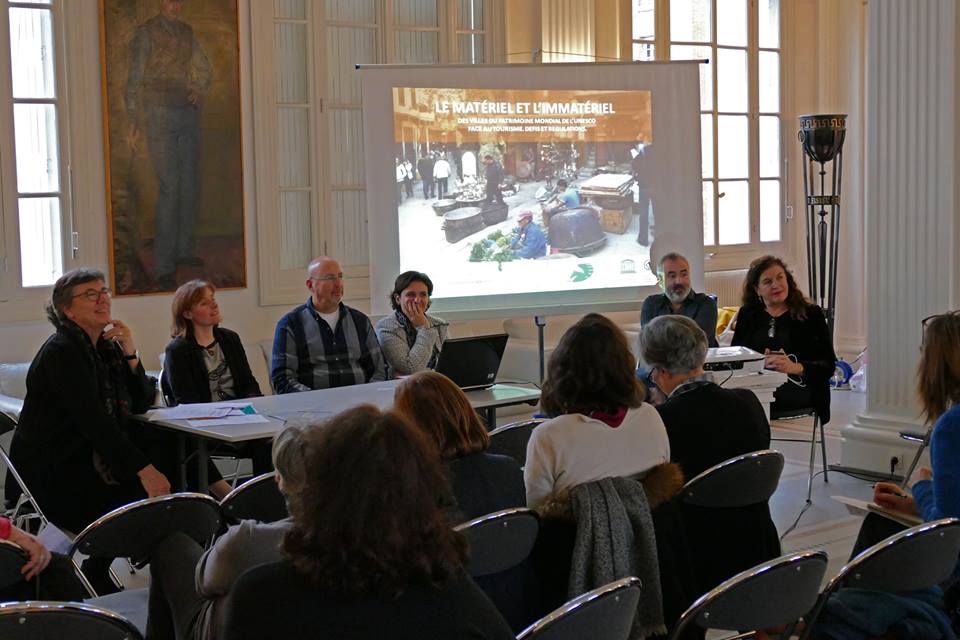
(769, 82)
(709, 233)
(690, 20)
(346, 145)
(33, 1)
(470, 48)
(644, 51)
(295, 234)
(769, 26)
(31, 53)
(732, 146)
(644, 20)
(470, 15)
(706, 144)
(347, 47)
(732, 80)
(734, 222)
(293, 147)
(769, 147)
(416, 47)
(419, 13)
(291, 49)
(769, 210)
(685, 52)
(291, 9)
(35, 136)
(732, 22)
(41, 260)
(352, 10)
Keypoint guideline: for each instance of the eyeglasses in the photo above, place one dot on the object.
(93, 295)
(330, 277)
(649, 379)
(926, 321)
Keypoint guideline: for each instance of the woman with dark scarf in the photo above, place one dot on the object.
(410, 339)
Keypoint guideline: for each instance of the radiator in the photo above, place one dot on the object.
(726, 285)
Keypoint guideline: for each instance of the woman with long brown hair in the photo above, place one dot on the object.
(370, 553)
(777, 320)
(482, 482)
(600, 426)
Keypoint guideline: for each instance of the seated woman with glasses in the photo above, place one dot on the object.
(370, 553)
(600, 426)
(205, 362)
(74, 444)
(775, 319)
(706, 425)
(410, 338)
(482, 482)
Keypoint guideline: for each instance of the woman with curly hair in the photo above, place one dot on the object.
(600, 426)
(370, 553)
(482, 482)
(777, 320)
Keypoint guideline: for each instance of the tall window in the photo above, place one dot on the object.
(739, 102)
(31, 173)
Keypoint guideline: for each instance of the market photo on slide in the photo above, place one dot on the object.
(518, 190)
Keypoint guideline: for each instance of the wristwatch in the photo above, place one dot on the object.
(133, 356)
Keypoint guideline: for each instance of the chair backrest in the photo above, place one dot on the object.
(748, 479)
(777, 592)
(500, 540)
(134, 530)
(12, 559)
(917, 558)
(33, 620)
(511, 439)
(166, 391)
(605, 613)
(256, 499)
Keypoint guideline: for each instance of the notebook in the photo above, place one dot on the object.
(472, 363)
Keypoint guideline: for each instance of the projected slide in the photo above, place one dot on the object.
(512, 191)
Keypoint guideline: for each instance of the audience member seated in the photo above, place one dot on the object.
(775, 319)
(600, 426)
(708, 424)
(482, 482)
(679, 298)
(59, 582)
(188, 585)
(324, 343)
(206, 363)
(370, 554)
(411, 339)
(934, 494)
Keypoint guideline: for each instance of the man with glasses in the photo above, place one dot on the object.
(324, 343)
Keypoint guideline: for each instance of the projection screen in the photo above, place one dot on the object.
(465, 168)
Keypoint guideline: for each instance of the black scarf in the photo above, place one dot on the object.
(106, 360)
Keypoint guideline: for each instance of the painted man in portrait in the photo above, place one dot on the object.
(169, 73)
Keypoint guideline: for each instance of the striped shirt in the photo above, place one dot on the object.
(308, 354)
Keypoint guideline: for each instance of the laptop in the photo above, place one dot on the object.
(472, 363)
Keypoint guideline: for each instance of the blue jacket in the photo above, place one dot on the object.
(530, 242)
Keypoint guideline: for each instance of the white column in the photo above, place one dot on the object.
(912, 241)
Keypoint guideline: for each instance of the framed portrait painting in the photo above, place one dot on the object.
(171, 96)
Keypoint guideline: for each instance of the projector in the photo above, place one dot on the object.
(739, 359)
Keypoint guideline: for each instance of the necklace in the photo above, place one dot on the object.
(772, 331)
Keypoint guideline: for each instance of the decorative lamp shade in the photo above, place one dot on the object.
(822, 135)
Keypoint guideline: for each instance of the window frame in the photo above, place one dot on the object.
(722, 257)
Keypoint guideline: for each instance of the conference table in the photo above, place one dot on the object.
(320, 404)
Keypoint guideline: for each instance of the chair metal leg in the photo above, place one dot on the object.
(823, 446)
(817, 426)
(913, 463)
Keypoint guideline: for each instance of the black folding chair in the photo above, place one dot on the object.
(917, 558)
(738, 482)
(35, 620)
(511, 439)
(605, 613)
(500, 540)
(12, 559)
(256, 499)
(774, 594)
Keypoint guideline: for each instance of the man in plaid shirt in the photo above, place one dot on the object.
(324, 343)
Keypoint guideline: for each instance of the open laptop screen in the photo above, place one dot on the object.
(473, 362)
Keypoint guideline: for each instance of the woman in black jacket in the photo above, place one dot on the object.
(204, 362)
(775, 319)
